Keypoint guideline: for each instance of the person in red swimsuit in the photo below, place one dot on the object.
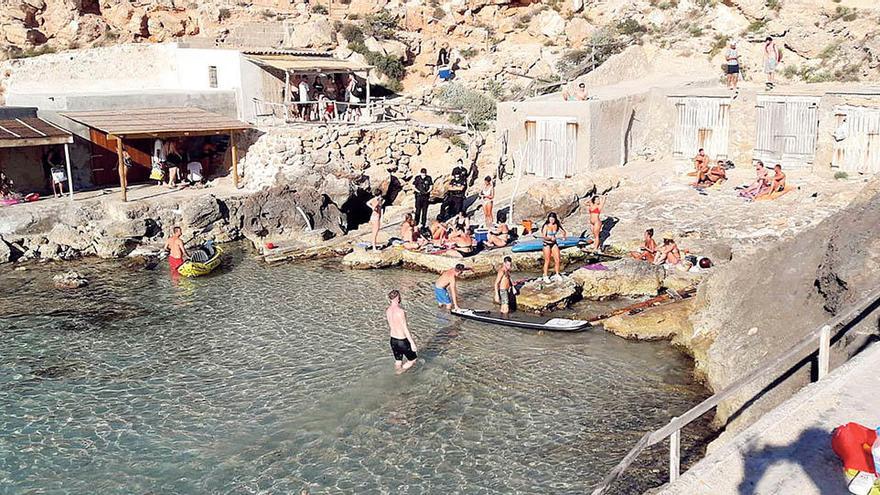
(597, 204)
(176, 250)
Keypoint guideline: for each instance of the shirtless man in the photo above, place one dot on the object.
(445, 287)
(176, 250)
(503, 286)
(777, 184)
(668, 253)
(701, 162)
(717, 173)
(648, 249)
(402, 344)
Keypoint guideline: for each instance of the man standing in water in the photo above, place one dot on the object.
(445, 287)
(503, 286)
(176, 250)
(402, 344)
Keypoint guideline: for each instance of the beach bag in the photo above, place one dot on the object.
(157, 174)
(849, 442)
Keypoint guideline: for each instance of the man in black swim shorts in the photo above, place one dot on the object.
(402, 344)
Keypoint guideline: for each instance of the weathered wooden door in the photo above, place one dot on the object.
(786, 130)
(551, 147)
(701, 122)
(857, 140)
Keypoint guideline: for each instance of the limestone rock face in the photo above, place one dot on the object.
(274, 213)
(201, 212)
(545, 197)
(5, 252)
(539, 296)
(312, 34)
(578, 30)
(620, 278)
(670, 320)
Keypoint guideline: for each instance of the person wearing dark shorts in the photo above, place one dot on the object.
(402, 344)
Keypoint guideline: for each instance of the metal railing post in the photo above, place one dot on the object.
(674, 454)
(824, 351)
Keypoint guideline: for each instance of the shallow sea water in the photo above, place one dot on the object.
(262, 379)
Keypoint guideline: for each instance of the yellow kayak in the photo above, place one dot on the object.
(197, 269)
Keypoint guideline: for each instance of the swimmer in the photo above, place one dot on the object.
(445, 287)
(402, 344)
(504, 286)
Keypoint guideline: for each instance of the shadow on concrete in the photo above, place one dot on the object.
(810, 451)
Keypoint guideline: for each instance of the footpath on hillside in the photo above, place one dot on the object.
(789, 449)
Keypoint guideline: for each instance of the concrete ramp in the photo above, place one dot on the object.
(789, 449)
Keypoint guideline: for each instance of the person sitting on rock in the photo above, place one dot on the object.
(777, 185)
(668, 253)
(461, 242)
(761, 183)
(7, 187)
(713, 176)
(500, 235)
(701, 163)
(439, 231)
(409, 233)
(648, 249)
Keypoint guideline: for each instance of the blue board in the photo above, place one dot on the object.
(538, 244)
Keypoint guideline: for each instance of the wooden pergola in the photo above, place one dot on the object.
(157, 123)
(32, 131)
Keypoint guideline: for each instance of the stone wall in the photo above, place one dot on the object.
(340, 160)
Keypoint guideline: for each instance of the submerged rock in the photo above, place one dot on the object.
(538, 295)
(626, 277)
(69, 280)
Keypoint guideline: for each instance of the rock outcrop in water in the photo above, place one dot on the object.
(69, 280)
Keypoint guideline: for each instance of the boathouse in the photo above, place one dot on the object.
(26, 144)
(203, 136)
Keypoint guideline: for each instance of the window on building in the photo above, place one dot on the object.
(212, 76)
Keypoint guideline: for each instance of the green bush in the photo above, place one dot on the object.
(756, 26)
(381, 25)
(352, 34)
(319, 9)
(16, 52)
(468, 52)
(479, 107)
(389, 65)
(438, 13)
(839, 175)
(774, 5)
(630, 27)
(791, 71)
(720, 42)
(845, 14)
(224, 14)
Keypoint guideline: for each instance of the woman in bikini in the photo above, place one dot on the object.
(500, 235)
(550, 231)
(648, 249)
(487, 194)
(597, 204)
(375, 204)
(439, 231)
(668, 253)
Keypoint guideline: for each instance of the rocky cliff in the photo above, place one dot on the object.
(502, 47)
(759, 306)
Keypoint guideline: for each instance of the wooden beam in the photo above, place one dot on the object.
(69, 172)
(38, 141)
(234, 148)
(122, 178)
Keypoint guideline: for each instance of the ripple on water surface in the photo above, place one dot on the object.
(268, 379)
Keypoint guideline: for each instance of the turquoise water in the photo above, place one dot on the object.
(263, 379)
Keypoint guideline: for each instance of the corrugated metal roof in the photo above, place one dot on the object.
(297, 63)
(155, 121)
(31, 131)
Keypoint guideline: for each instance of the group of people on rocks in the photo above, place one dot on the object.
(327, 97)
(177, 163)
(769, 183)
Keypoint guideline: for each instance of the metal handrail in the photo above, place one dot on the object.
(673, 428)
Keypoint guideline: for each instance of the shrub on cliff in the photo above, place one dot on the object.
(381, 25)
(480, 108)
